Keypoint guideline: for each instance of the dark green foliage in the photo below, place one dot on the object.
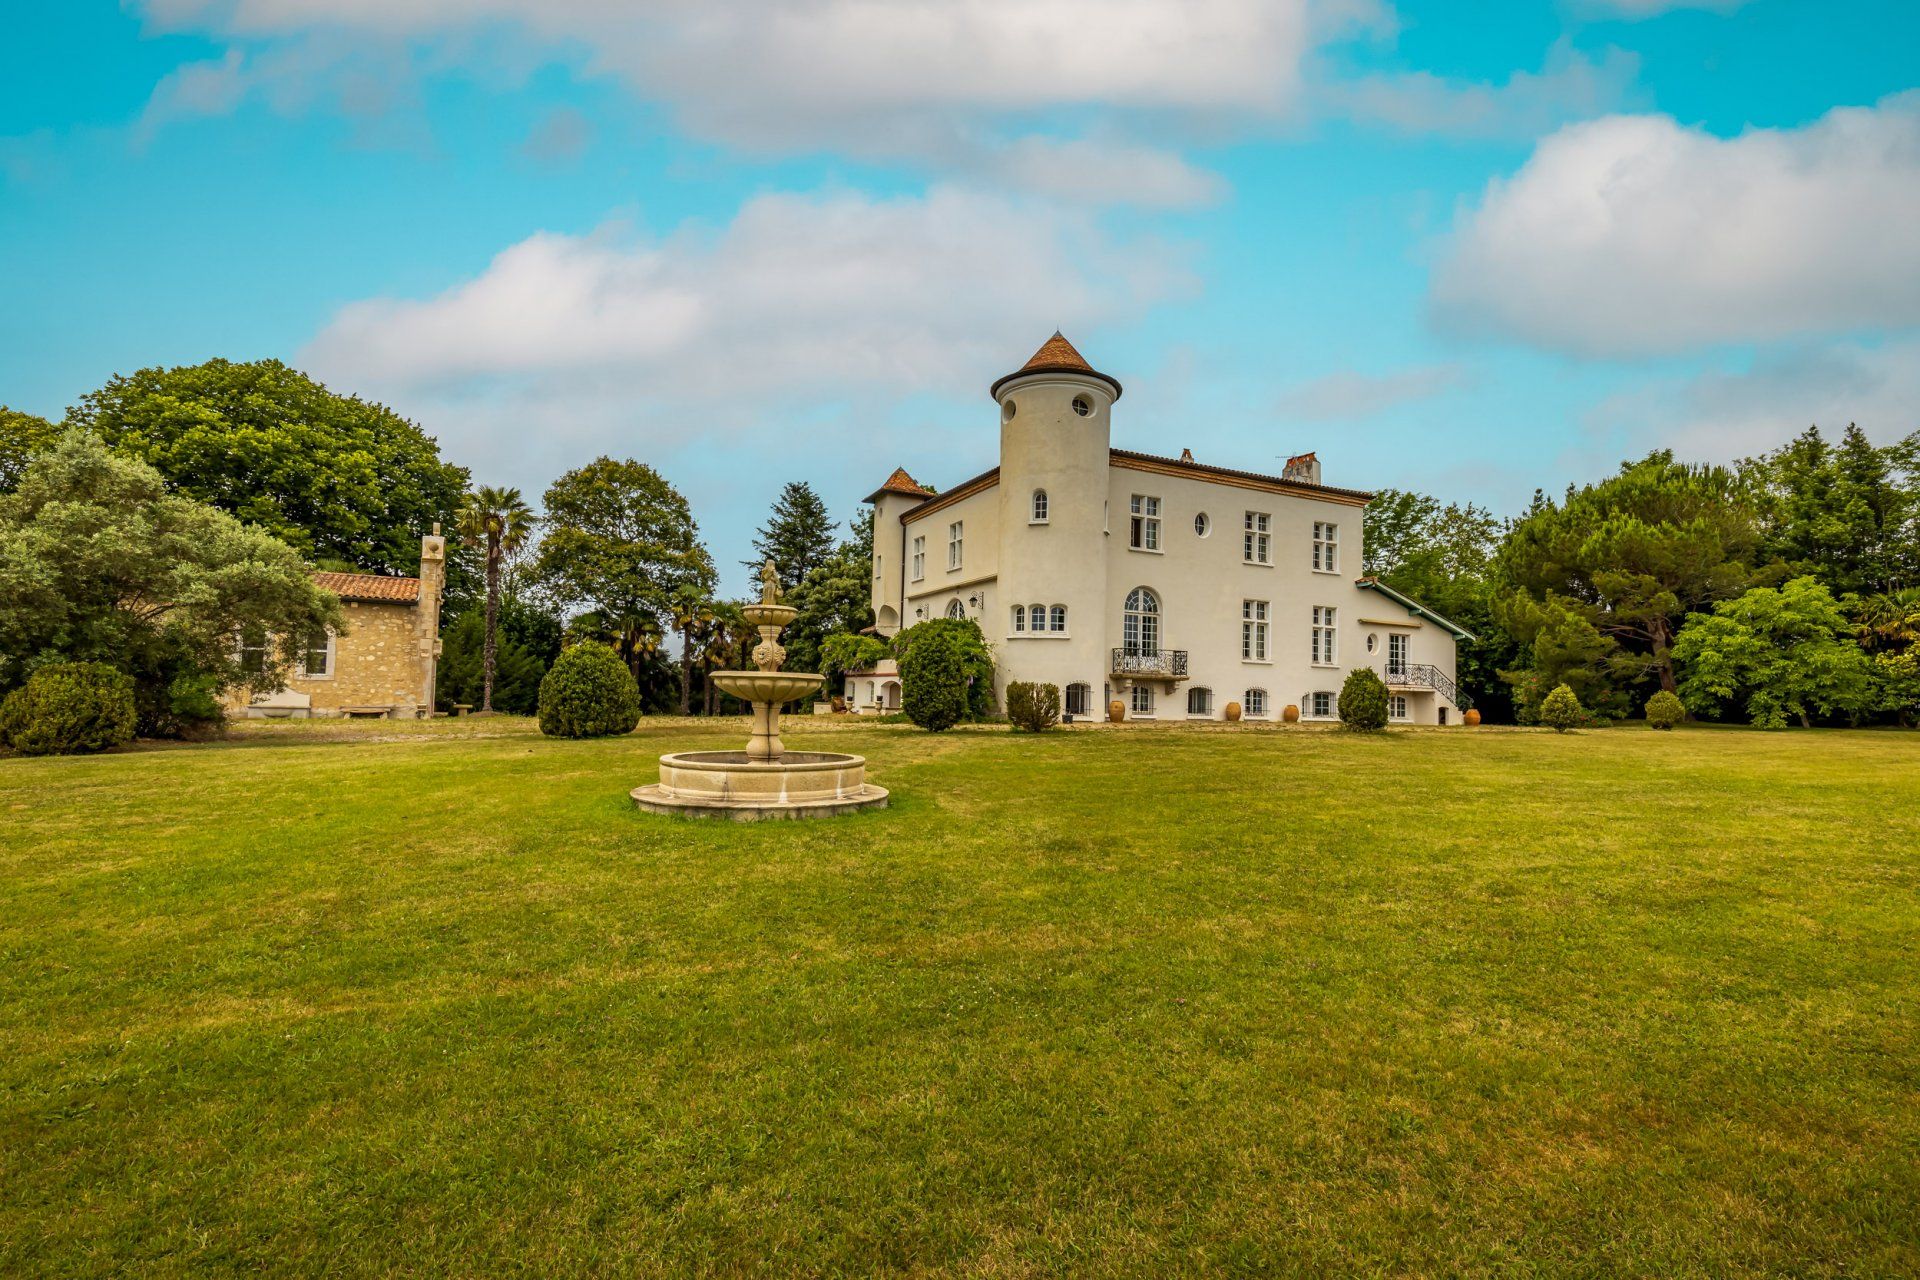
(1033, 707)
(835, 596)
(1363, 700)
(22, 435)
(332, 476)
(797, 537)
(842, 652)
(972, 650)
(67, 708)
(517, 674)
(588, 693)
(1847, 513)
(1776, 653)
(933, 682)
(1561, 710)
(1665, 710)
(185, 705)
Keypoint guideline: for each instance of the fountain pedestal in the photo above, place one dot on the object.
(765, 780)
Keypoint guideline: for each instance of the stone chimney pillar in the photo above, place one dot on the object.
(433, 584)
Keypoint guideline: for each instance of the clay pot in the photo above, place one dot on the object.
(1116, 711)
(1470, 719)
(1291, 714)
(1232, 712)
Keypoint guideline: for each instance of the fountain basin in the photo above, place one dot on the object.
(734, 784)
(775, 687)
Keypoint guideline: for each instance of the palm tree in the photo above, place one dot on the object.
(691, 612)
(501, 522)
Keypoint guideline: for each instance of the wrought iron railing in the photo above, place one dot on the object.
(1421, 673)
(1165, 663)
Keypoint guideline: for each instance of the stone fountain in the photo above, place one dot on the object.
(766, 780)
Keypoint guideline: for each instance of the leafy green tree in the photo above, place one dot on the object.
(933, 682)
(836, 596)
(67, 708)
(1560, 710)
(1775, 652)
(843, 652)
(1888, 626)
(1847, 513)
(22, 435)
(1564, 647)
(1665, 710)
(1632, 555)
(517, 671)
(972, 651)
(588, 693)
(101, 562)
(622, 545)
(797, 537)
(1363, 700)
(498, 522)
(334, 477)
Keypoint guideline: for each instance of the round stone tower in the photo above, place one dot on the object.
(1055, 430)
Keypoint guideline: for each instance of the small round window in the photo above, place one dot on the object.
(1082, 406)
(1201, 525)
(1006, 411)
(1373, 642)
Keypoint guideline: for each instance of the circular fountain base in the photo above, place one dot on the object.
(732, 784)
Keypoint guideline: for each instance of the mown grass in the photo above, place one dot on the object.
(395, 1000)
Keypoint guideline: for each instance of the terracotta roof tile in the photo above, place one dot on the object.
(370, 587)
(901, 482)
(1057, 355)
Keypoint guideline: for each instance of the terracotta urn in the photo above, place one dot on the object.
(1470, 719)
(1116, 711)
(1291, 714)
(1232, 712)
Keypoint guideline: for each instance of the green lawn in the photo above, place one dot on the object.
(436, 1000)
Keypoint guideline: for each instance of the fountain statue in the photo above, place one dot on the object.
(766, 780)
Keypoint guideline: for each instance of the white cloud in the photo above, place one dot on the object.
(1350, 395)
(1632, 235)
(1570, 86)
(1728, 413)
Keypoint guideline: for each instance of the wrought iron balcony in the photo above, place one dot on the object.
(1425, 676)
(1150, 664)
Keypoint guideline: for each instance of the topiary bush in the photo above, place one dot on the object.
(933, 682)
(1033, 707)
(588, 693)
(1363, 700)
(69, 708)
(1665, 710)
(1561, 710)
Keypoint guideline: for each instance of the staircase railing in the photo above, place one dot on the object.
(1422, 673)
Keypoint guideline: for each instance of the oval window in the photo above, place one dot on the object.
(1373, 642)
(1082, 406)
(1201, 525)
(1007, 411)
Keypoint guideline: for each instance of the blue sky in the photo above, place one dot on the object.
(1466, 249)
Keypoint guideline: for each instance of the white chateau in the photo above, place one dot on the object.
(1169, 586)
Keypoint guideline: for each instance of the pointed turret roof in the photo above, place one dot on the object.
(901, 482)
(1057, 355)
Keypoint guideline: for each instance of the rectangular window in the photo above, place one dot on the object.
(1199, 702)
(1145, 529)
(1057, 618)
(1077, 699)
(1396, 657)
(1253, 630)
(1326, 547)
(316, 659)
(1397, 706)
(955, 539)
(250, 650)
(1320, 705)
(1323, 635)
(1256, 702)
(919, 558)
(1257, 544)
(1142, 700)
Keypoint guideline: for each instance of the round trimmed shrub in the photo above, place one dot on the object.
(933, 682)
(1561, 710)
(1033, 707)
(588, 693)
(1665, 710)
(69, 708)
(1363, 700)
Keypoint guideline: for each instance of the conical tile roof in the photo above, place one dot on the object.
(1057, 355)
(901, 482)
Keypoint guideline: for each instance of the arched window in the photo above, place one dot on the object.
(956, 610)
(1079, 699)
(1039, 507)
(1140, 627)
(1039, 615)
(1256, 702)
(1019, 617)
(1059, 621)
(1200, 702)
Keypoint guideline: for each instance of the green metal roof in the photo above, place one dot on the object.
(1415, 608)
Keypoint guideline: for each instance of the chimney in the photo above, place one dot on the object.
(1302, 469)
(433, 583)
(1186, 455)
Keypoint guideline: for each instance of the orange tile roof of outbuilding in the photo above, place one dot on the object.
(371, 588)
(901, 482)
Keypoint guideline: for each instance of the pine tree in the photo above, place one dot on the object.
(797, 537)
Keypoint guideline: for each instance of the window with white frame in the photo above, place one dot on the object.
(1039, 515)
(1326, 547)
(250, 651)
(1144, 532)
(1079, 698)
(1323, 635)
(1019, 617)
(1039, 615)
(1140, 623)
(1257, 545)
(1320, 705)
(1200, 702)
(1397, 706)
(1057, 618)
(919, 558)
(1253, 630)
(1254, 702)
(956, 540)
(316, 658)
(956, 610)
(1201, 525)
(1143, 700)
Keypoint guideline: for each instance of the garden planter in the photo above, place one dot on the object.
(1291, 715)
(1116, 711)
(1233, 712)
(1470, 719)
